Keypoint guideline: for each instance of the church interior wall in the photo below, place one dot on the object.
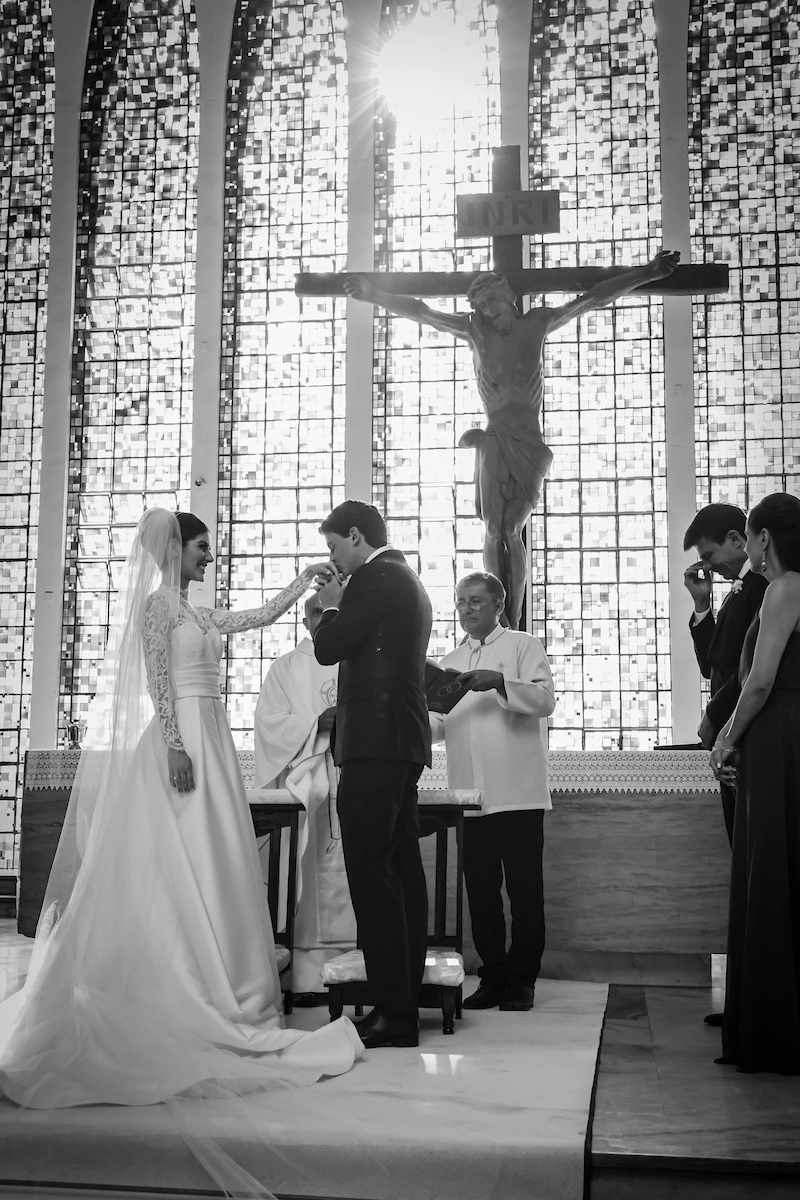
(721, 421)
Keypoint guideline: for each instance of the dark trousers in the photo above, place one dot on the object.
(728, 806)
(510, 844)
(377, 803)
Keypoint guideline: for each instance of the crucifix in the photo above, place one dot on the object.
(511, 458)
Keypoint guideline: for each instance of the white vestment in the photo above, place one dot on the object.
(499, 743)
(291, 754)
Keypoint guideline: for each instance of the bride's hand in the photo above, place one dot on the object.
(180, 770)
(324, 571)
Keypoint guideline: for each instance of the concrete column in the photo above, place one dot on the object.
(672, 34)
(214, 24)
(363, 19)
(71, 24)
(514, 36)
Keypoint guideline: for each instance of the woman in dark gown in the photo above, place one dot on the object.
(759, 751)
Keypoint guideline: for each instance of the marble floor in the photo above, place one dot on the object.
(499, 1110)
(670, 1122)
(15, 954)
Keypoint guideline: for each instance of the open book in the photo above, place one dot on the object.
(442, 689)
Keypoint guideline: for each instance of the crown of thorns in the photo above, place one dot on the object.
(488, 281)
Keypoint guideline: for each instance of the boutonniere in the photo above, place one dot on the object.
(736, 586)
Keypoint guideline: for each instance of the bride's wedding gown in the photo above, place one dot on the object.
(159, 977)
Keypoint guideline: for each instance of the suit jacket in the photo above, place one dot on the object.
(718, 645)
(379, 636)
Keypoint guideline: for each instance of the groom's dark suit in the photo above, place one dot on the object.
(379, 635)
(718, 646)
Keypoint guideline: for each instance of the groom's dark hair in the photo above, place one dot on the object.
(715, 522)
(365, 518)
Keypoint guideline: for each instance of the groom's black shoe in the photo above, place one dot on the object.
(714, 1019)
(517, 997)
(376, 1031)
(488, 995)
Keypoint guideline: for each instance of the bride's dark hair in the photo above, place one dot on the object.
(779, 514)
(191, 527)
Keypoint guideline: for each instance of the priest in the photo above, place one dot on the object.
(293, 722)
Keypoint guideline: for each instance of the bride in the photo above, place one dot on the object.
(153, 974)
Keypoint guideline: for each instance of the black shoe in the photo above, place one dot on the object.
(714, 1019)
(376, 1031)
(488, 995)
(518, 997)
(310, 999)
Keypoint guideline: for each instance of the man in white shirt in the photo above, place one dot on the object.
(293, 721)
(496, 740)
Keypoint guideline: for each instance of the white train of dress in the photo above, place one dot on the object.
(159, 978)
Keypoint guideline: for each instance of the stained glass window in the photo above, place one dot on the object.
(130, 415)
(424, 392)
(599, 555)
(600, 561)
(26, 102)
(745, 116)
(283, 395)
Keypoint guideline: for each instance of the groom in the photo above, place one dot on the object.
(377, 629)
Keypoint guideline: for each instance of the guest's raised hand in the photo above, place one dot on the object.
(179, 766)
(697, 581)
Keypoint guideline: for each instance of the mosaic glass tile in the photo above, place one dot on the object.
(27, 96)
(599, 539)
(131, 402)
(283, 367)
(424, 394)
(745, 193)
(599, 555)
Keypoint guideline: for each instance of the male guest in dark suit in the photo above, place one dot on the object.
(718, 535)
(377, 629)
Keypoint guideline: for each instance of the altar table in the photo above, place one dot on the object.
(636, 867)
(636, 861)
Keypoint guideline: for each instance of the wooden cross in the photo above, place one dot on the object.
(531, 213)
(689, 280)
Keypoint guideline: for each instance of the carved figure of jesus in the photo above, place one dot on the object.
(511, 458)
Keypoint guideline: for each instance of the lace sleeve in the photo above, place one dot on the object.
(155, 636)
(254, 618)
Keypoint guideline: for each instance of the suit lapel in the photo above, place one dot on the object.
(729, 596)
(734, 591)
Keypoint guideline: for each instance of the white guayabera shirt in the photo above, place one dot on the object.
(499, 743)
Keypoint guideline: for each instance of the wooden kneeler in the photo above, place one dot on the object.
(273, 811)
(345, 977)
